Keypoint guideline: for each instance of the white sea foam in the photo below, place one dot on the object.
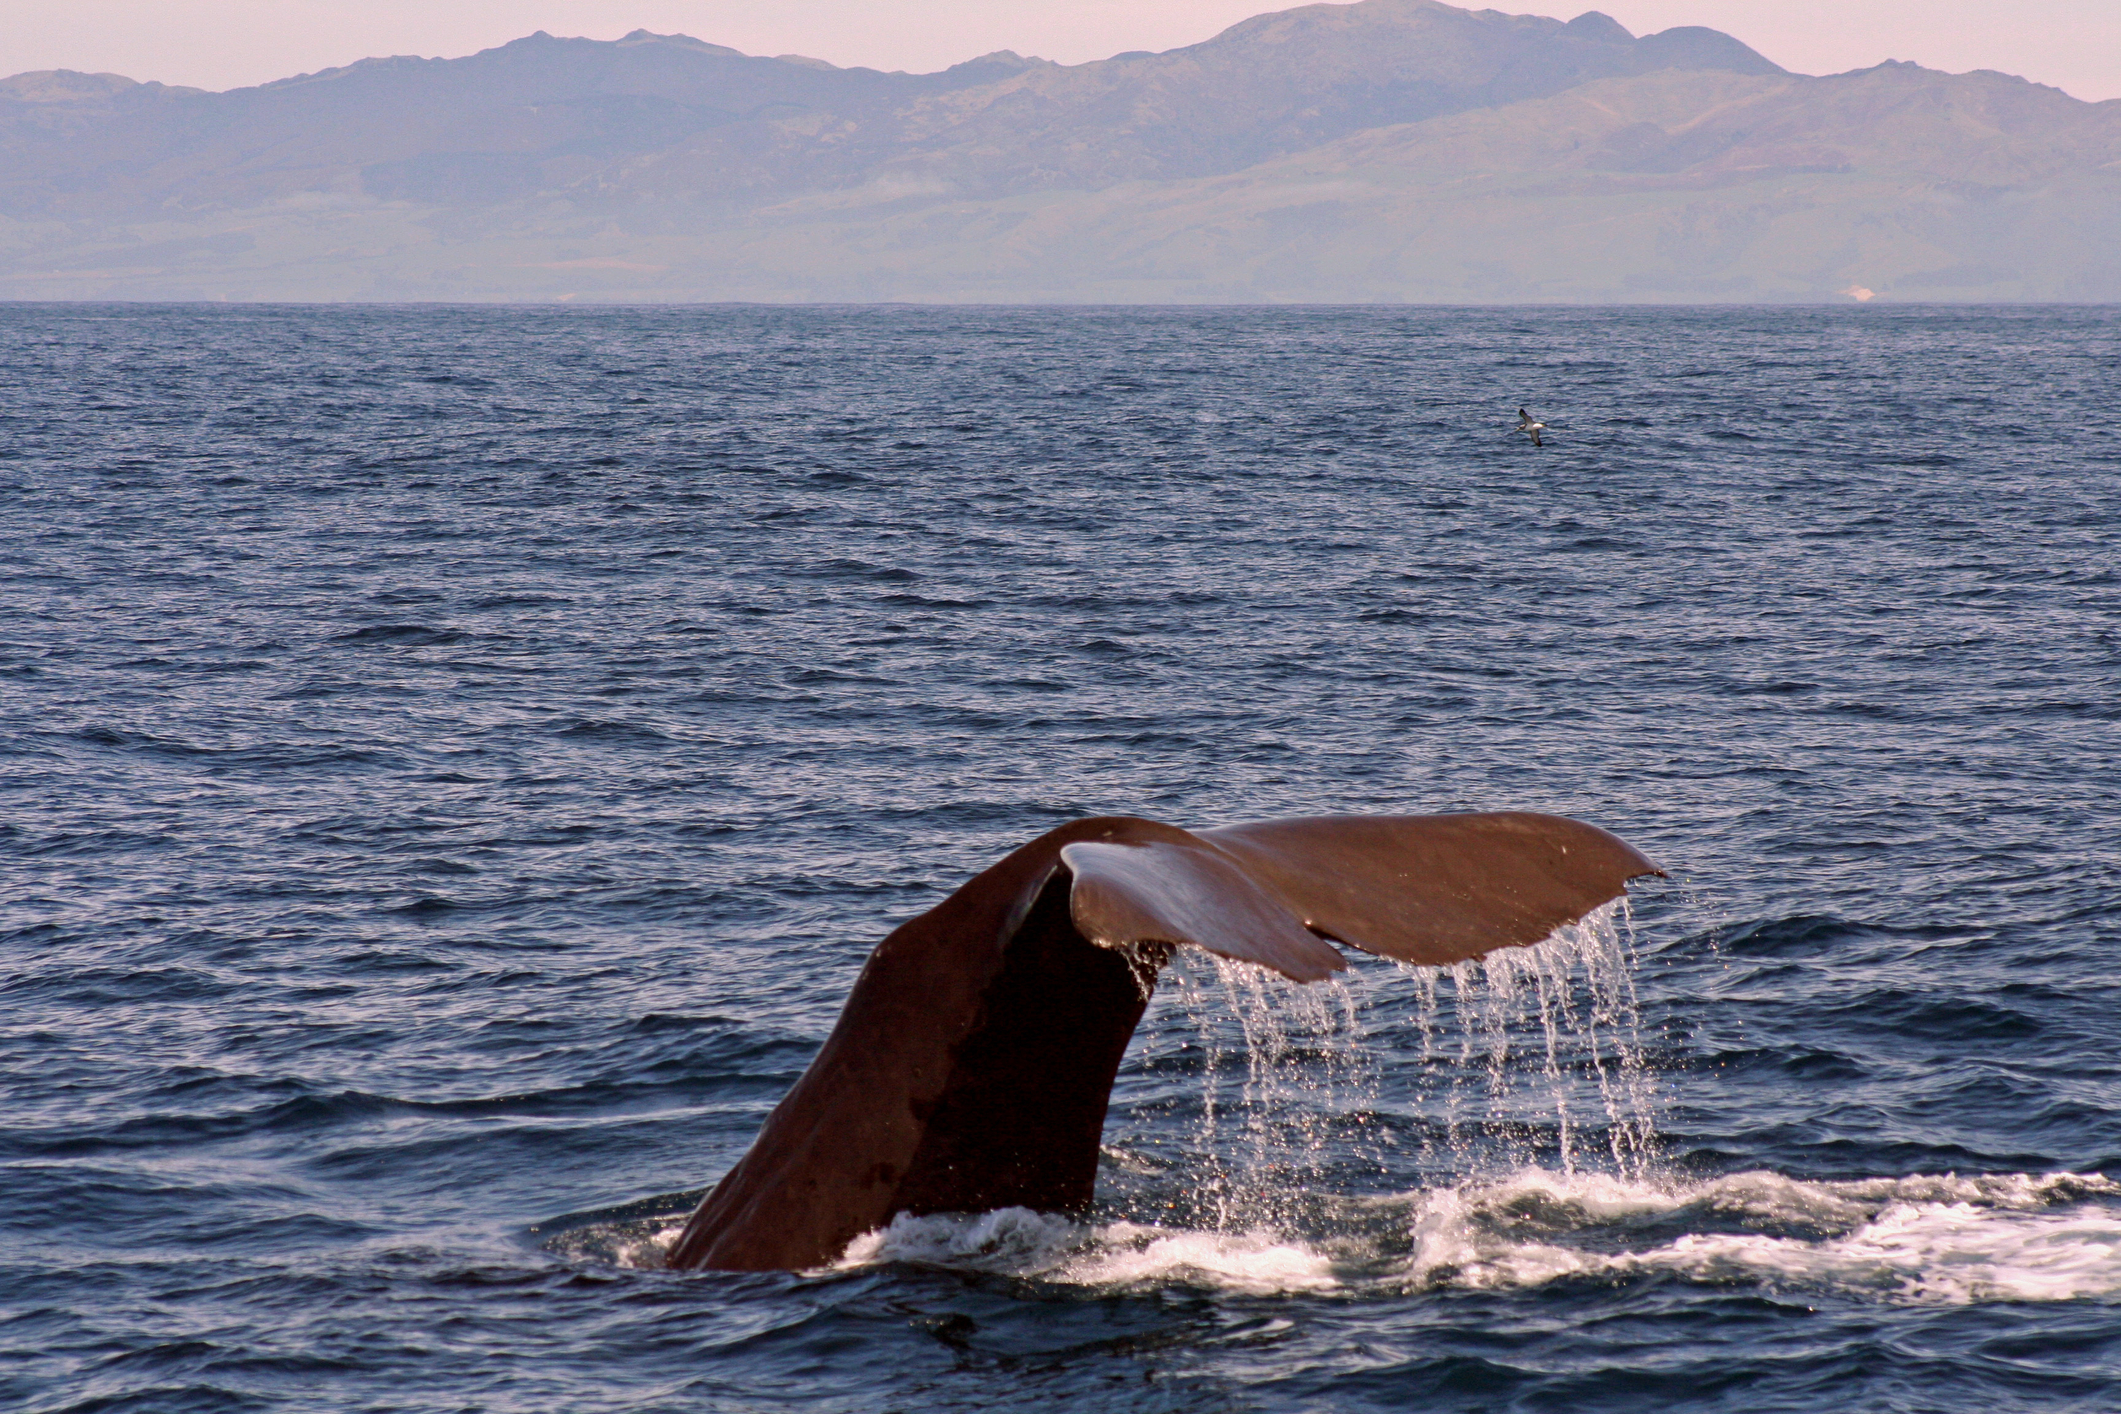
(1935, 1238)
(2005, 1237)
(1017, 1242)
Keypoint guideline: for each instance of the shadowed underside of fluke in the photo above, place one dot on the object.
(972, 1064)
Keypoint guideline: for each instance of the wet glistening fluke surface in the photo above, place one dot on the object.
(458, 759)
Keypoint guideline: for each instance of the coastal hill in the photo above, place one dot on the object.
(1384, 150)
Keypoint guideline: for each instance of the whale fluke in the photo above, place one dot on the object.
(973, 1061)
(1184, 890)
(1434, 889)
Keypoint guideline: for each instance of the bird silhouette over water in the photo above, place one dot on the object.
(1530, 426)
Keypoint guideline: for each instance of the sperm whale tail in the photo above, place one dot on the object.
(973, 1061)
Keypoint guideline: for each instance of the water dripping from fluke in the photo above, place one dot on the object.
(972, 1065)
(1529, 1059)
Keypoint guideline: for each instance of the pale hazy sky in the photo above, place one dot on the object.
(2072, 44)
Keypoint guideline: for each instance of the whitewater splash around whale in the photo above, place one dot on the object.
(1924, 1239)
(1933, 1239)
(1246, 1161)
(972, 1066)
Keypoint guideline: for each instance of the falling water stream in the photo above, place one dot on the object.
(1541, 1022)
(1533, 1055)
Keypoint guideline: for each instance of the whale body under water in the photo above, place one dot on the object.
(972, 1064)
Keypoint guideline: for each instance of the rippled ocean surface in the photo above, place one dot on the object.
(456, 761)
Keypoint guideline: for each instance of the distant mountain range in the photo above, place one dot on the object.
(1385, 150)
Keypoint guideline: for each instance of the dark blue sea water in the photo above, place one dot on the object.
(457, 760)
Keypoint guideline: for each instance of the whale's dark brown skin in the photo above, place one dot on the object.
(971, 1066)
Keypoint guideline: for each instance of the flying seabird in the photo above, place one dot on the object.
(1530, 427)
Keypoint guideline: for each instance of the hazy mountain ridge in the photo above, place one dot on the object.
(1392, 149)
(367, 128)
(670, 115)
(1973, 129)
(1674, 185)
